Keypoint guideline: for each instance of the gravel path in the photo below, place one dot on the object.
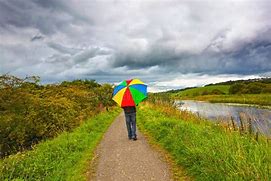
(121, 159)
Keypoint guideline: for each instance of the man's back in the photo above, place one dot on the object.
(129, 109)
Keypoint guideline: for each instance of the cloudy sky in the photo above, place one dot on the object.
(168, 44)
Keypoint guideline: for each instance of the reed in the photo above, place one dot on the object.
(246, 127)
(250, 130)
(233, 124)
(242, 127)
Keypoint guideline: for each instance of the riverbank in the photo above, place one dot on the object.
(207, 151)
(222, 94)
(251, 100)
(246, 117)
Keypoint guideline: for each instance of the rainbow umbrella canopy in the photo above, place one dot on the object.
(130, 92)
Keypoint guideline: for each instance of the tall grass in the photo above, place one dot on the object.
(66, 157)
(207, 151)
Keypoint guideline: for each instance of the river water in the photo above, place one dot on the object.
(260, 118)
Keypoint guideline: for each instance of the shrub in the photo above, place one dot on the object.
(30, 112)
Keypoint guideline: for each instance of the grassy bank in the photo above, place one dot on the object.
(66, 157)
(206, 151)
(258, 99)
(193, 92)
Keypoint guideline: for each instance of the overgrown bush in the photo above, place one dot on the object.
(160, 98)
(30, 112)
(250, 88)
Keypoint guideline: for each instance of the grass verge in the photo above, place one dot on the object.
(66, 157)
(253, 99)
(205, 150)
(178, 173)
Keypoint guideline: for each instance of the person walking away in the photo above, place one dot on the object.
(130, 117)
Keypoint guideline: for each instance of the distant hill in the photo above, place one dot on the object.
(201, 91)
(250, 86)
(260, 80)
(217, 88)
(178, 90)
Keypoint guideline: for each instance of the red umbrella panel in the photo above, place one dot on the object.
(130, 92)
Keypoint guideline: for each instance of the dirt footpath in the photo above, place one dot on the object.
(119, 158)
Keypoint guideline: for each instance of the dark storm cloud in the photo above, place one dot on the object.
(155, 56)
(45, 15)
(249, 58)
(62, 49)
(73, 57)
(89, 53)
(37, 37)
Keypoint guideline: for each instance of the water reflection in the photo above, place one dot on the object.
(260, 118)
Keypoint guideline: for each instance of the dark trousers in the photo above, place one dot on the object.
(131, 124)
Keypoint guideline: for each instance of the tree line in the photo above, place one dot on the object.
(266, 80)
(250, 88)
(31, 112)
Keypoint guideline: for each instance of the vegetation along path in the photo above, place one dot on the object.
(121, 159)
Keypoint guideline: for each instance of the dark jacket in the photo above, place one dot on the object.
(129, 109)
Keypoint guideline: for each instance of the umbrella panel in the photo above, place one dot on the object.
(118, 88)
(127, 99)
(137, 95)
(140, 87)
(118, 97)
(136, 81)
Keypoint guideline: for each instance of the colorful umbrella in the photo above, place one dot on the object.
(130, 92)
